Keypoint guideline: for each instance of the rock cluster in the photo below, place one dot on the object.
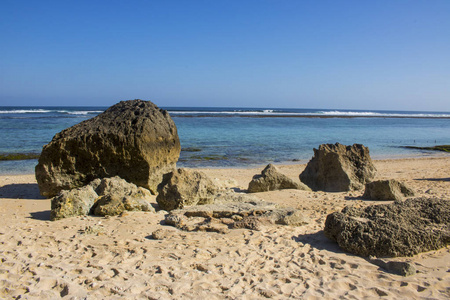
(108, 196)
(387, 190)
(390, 230)
(132, 139)
(271, 179)
(233, 210)
(195, 203)
(339, 168)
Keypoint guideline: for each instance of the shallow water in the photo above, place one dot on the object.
(231, 137)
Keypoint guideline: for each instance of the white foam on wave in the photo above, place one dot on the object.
(379, 114)
(334, 113)
(80, 112)
(24, 111)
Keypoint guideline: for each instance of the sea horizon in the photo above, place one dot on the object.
(258, 111)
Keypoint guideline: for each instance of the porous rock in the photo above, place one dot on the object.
(184, 187)
(271, 179)
(387, 190)
(132, 139)
(108, 196)
(339, 168)
(389, 230)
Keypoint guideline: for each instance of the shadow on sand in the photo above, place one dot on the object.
(433, 179)
(319, 241)
(20, 191)
(41, 215)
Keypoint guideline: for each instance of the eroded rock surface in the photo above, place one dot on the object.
(339, 168)
(271, 179)
(390, 230)
(132, 139)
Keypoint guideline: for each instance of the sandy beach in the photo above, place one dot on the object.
(117, 258)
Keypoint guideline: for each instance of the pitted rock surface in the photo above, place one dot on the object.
(389, 230)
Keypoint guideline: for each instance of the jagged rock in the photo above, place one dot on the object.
(107, 196)
(185, 187)
(339, 168)
(386, 190)
(76, 202)
(132, 139)
(247, 211)
(271, 179)
(389, 230)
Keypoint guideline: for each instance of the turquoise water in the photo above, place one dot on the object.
(231, 137)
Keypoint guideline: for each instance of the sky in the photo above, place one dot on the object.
(384, 55)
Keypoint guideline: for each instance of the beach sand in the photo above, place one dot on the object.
(116, 257)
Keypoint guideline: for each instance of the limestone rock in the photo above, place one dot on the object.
(389, 230)
(132, 139)
(339, 168)
(271, 179)
(185, 187)
(387, 190)
(76, 202)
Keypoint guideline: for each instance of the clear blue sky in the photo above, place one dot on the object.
(299, 54)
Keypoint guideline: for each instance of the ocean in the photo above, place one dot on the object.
(242, 137)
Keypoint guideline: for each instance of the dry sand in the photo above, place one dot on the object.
(116, 257)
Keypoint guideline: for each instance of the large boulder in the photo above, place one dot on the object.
(390, 230)
(387, 190)
(185, 187)
(108, 196)
(271, 179)
(339, 168)
(132, 139)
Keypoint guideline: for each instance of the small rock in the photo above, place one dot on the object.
(386, 190)
(271, 179)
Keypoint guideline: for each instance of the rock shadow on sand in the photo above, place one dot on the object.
(41, 215)
(433, 179)
(319, 241)
(21, 191)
